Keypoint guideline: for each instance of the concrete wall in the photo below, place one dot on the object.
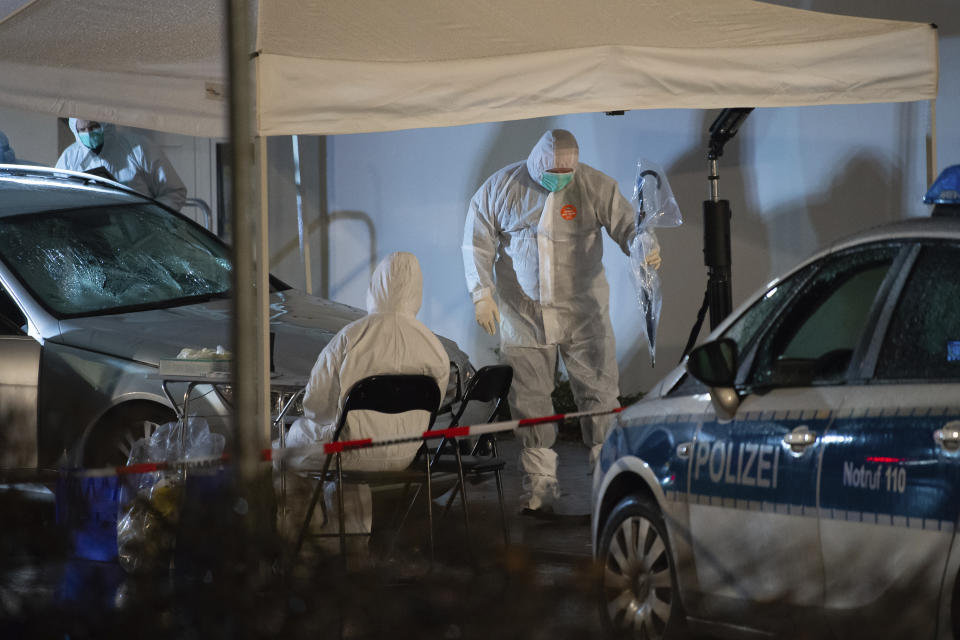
(33, 136)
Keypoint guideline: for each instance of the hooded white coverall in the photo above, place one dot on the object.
(545, 249)
(131, 160)
(388, 340)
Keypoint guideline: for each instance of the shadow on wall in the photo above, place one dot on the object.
(837, 211)
(358, 271)
(364, 270)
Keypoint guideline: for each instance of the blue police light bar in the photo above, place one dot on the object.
(946, 188)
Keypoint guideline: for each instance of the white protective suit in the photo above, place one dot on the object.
(388, 340)
(545, 249)
(131, 160)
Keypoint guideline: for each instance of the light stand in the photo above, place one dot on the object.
(716, 228)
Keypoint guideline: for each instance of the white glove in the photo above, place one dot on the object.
(487, 314)
(653, 256)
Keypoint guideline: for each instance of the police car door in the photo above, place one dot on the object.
(754, 479)
(888, 486)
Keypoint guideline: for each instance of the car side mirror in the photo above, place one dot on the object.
(715, 364)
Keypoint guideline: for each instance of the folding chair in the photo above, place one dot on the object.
(489, 384)
(388, 394)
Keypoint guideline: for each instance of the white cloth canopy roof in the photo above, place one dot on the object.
(347, 66)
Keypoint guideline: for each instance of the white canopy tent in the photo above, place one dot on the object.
(349, 66)
(330, 67)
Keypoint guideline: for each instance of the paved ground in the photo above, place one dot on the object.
(565, 538)
(544, 583)
(541, 586)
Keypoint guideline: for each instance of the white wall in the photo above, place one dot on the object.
(33, 136)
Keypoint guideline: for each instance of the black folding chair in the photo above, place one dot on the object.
(388, 394)
(489, 384)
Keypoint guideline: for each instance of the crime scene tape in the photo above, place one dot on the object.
(331, 448)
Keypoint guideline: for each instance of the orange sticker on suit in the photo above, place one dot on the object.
(568, 212)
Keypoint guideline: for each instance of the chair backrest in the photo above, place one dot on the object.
(488, 384)
(391, 393)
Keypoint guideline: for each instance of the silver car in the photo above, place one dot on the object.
(799, 475)
(99, 284)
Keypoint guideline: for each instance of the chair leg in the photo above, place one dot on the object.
(429, 508)
(453, 495)
(343, 528)
(503, 511)
(463, 499)
(306, 523)
(395, 522)
(399, 527)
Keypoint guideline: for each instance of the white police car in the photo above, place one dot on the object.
(800, 475)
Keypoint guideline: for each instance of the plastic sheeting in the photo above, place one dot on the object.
(656, 207)
(150, 503)
(327, 67)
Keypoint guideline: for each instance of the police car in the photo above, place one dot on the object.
(799, 474)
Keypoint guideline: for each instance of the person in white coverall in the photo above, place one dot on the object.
(532, 240)
(388, 340)
(129, 158)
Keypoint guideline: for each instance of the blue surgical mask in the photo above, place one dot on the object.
(91, 139)
(555, 181)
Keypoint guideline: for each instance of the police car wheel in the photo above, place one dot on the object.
(638, 592)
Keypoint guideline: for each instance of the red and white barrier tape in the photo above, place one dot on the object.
(331, 448)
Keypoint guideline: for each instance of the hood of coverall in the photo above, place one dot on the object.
(556, 149)
(396, 285)
(108, 130)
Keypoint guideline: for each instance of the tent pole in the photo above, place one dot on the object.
(303, 230)
(932, 144)
(244, 310)
(263, 296)
(324, 235)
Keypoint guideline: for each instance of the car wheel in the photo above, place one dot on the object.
(638, 591)
(109, 444)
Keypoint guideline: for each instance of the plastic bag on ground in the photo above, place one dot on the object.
(150, 502)
(655, 206)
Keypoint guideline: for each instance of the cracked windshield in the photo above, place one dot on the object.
(93, 260)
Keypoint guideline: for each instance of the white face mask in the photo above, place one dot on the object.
(92, 138)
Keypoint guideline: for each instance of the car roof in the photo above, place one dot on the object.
(34, 189)
(925, 227)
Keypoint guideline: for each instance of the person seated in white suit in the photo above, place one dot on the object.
(388, 340)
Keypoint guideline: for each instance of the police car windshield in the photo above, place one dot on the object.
(97, 259)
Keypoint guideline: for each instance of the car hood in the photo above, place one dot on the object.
(302, 325)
